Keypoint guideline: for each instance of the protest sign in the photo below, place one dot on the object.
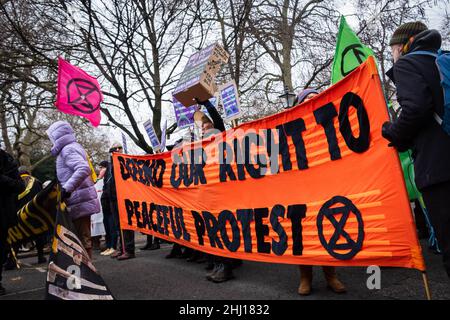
(184, 116)
(198, 77)
(230, 100)
(36, 218)
(70, 273)
(316, 184)
(154, 141)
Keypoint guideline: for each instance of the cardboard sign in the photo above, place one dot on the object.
(124, 143)
(198, 77)
(316, 184)
(154, 141)
(184, 116)
(230, 100)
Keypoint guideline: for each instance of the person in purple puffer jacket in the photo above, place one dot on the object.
(74, 175)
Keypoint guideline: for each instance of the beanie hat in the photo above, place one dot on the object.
(303, 94)
(406, 31)
(200, 116)
(116, 145)
(104, 164)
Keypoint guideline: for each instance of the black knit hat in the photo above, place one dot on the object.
(406, 31)
(104, 164)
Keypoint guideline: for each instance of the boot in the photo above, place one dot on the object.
(224, 273)
(175, 252)
(332, 280)
(304, 288)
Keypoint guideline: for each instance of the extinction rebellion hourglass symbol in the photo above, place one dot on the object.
(83, 95)
(349, 247)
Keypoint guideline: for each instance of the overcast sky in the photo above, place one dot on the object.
(434, 15)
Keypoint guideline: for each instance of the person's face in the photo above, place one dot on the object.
(396, 50)
(118, 149)
(206, 125)
(102, 172)
(310, 96)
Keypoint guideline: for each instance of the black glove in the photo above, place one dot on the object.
(203, 103)
(385, 130)
(65, 194)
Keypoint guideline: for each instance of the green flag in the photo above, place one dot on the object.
(350, 52)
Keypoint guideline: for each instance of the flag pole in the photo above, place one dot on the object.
(426, 285)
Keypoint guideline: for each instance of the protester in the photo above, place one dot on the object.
(97, 225)
(306, 271)
(75, 176)
(222, 267)
(420, 96)
(32, 187)
(112, 232)
(126, 237)
(11, 185)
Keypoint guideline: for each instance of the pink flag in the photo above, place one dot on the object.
(78, 93)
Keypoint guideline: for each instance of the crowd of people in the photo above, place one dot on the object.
(419, 94)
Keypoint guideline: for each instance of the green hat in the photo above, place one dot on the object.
(406, 31)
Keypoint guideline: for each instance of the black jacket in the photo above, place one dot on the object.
(10, 186)
(215, 116)
(420, 95)
(109, 184)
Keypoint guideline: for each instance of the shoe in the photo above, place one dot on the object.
(42, 259)
(304, 288)
(333, 282)
(154, 246)
(115, 254)
(126, 256)
(24, 249)
(187, 253)
(2, 290)
(174, 254)
(223, 273)
(147, 246)
(107, 252)
(215, 268)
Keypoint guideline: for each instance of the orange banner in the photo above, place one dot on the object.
(316, 184)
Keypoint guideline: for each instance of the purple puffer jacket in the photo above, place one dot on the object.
(73, 171)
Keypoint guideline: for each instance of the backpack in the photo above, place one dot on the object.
(443, 65)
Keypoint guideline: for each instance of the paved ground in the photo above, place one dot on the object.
(151, 276)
